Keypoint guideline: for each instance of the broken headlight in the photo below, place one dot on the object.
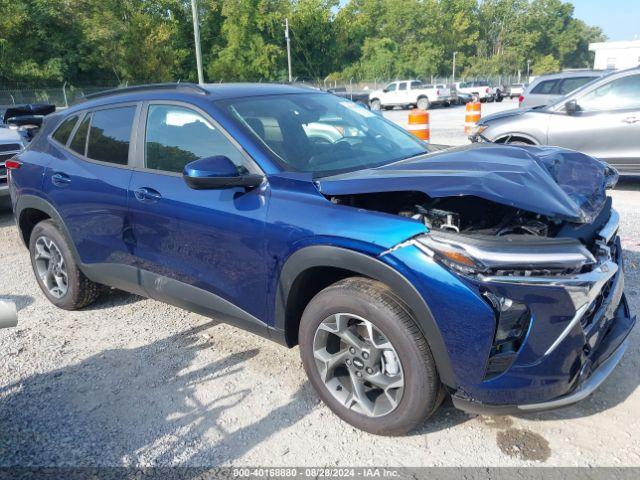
(480, 254)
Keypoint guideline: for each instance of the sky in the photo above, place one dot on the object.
(618, 19)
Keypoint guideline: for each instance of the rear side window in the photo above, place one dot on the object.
(110, 135)
(570, 84)
(79, 142)
(403, 86)
(544, 88)
(63, 132)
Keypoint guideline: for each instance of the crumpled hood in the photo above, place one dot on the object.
(550, 181)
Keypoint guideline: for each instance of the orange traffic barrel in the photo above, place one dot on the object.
(419, 124)
(472, 116)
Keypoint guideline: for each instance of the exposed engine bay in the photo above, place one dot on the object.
(463, 214)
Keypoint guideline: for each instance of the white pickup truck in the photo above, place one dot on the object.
(480, 88)
(406, 93)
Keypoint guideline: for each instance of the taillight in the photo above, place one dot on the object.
(438, 92)
(488, 90)
(520, 99)
(12, 164)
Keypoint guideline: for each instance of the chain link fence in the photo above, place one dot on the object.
(66, 94)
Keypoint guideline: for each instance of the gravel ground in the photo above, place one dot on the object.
(130, 381)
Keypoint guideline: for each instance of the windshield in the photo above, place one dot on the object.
(322, 133)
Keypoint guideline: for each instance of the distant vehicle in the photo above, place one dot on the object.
(601, 119)
(459, 98)
(516, 90)
(18, 124)
(360, 97)
(480, 88)
(408, 93)
(548, 88)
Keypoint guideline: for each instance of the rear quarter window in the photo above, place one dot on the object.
(544, 88)
(63, 131)
(570, 84)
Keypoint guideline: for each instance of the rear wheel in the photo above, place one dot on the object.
(423, 103)
(56, 270)
(367, 359)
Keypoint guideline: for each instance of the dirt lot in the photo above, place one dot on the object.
(131, 381)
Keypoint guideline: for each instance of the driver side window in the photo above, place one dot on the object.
(177, 135)
(391, 87)
(620, 94)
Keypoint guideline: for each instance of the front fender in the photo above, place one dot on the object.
(362, 264)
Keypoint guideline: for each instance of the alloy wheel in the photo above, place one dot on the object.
(51, 267)
(358, 365)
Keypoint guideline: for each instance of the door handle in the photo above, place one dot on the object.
(631, 120)
(60, 179)
(147, 195)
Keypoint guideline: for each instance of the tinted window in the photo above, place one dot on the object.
(416, 84)
(110, 134)
(570, 84)
(79, 141)
(403, 86)
(544, 88)
(615, 95)
(177, 135)
(65, 129)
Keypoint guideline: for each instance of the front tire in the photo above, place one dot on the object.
(367, 359)
(56, 270)
(375, 105)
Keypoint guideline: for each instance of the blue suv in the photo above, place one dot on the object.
(405, 272)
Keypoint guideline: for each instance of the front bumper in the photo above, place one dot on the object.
(578, 335)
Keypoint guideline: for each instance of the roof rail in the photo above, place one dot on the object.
(151, 86)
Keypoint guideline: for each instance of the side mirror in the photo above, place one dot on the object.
(216, 173)
(384, 90)
(571, 107)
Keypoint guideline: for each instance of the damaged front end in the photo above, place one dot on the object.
(546, 281)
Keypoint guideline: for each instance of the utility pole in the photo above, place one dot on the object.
(286, 35)
(196, 35)
(453, 74)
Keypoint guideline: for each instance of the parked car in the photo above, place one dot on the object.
(459, 98)
(516, 90)
(548, 88)
(601, 119)
(359, 97)
(18, 124)
(480, 89)
(490, 273)
(408, 93)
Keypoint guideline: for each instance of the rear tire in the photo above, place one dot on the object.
(365, 309)
(56, 270)
(423, 103)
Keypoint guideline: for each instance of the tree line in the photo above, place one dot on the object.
(139, 41)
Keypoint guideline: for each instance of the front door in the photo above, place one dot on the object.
(198, 249)
(607, 124)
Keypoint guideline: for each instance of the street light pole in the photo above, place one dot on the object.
(196, 35)
(453, 73)
(286, 35)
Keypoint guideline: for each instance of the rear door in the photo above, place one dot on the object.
(88, 182)
(198, 249)
(607, 126)
(404, 94)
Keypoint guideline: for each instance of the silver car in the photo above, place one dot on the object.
(601, 119)
(548, 88)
